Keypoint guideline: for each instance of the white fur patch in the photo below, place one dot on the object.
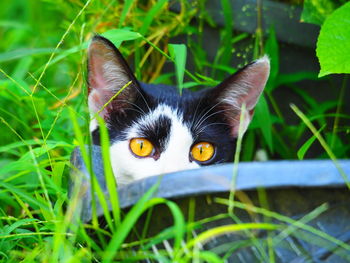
(93, 124)
(175, 157)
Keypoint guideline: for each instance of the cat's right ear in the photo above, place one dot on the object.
(243, 87)
(108, 73)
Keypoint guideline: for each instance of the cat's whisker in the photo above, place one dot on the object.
(204, 115)
(214, 123)
(143, 98)
(135, 105)
(221, 161)
(195, 112)
(207, 112)
(198, 132)
(132, 109)
(198, 124)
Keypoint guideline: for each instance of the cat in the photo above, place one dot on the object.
(153, 129)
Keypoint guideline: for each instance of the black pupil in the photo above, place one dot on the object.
(141, 145)
(201, 150)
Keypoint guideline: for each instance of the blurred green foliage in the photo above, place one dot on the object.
(316, 11)
(43, 84)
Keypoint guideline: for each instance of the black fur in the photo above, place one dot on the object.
(157, 132)
(208, 119)
(196, 108)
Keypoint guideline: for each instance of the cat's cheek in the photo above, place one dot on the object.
(93, 125)
(128, 168)
(124, 164)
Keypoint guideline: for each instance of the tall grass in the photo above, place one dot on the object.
(43, 116)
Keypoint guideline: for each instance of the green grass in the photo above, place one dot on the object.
(43, 116)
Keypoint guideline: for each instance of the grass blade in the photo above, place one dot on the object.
(322, 142)
(150, 15)
(20, 53)
(303, 149)
(179, 54)
(110, 179)
(263, 118)
(204, 237)
(286, 219)
(126, 225)
(126, 8)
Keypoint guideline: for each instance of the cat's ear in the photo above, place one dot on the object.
(108, 73)
(243, 87)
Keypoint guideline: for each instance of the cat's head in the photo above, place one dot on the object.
(154, 130)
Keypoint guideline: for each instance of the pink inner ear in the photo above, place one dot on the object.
(254, 79)
(97, 59)
(244, 87)
(96, 79)
(108, 73)
(96, 103)
(100, 91)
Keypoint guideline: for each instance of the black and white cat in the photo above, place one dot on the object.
(153, 129)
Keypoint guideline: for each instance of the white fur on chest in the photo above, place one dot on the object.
(175, 157)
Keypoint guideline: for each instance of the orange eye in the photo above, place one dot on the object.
(141, 147)
(202, 151)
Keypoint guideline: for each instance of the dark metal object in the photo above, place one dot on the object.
(293, 188)
(284, 18)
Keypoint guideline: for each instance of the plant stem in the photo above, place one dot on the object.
(236, 160)
(322, 142)
(339, 108)
(274, 105)
(259, 28)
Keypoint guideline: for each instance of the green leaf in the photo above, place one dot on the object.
(209, 256)
(263, 119)
(179, 53)
(333, 43)
(22, 68)
(303, 149)
(57, 173)
(107, 167)
(225, 229)
(8, 229)
(179, 223)
(150, 15)
(289, 78)
(316, 11)
(117, 36)
(272, 50)
(127, 224)
(225, 51)
(26, 143)
(248, 146)
(25, 52)
(64, 53)
(24, 194)
(126, 8)
(209, 81)
(13, 24)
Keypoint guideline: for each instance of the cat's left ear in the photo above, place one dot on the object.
(243, 87)
(108, 75)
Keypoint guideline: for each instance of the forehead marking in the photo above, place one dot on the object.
(152, 118)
